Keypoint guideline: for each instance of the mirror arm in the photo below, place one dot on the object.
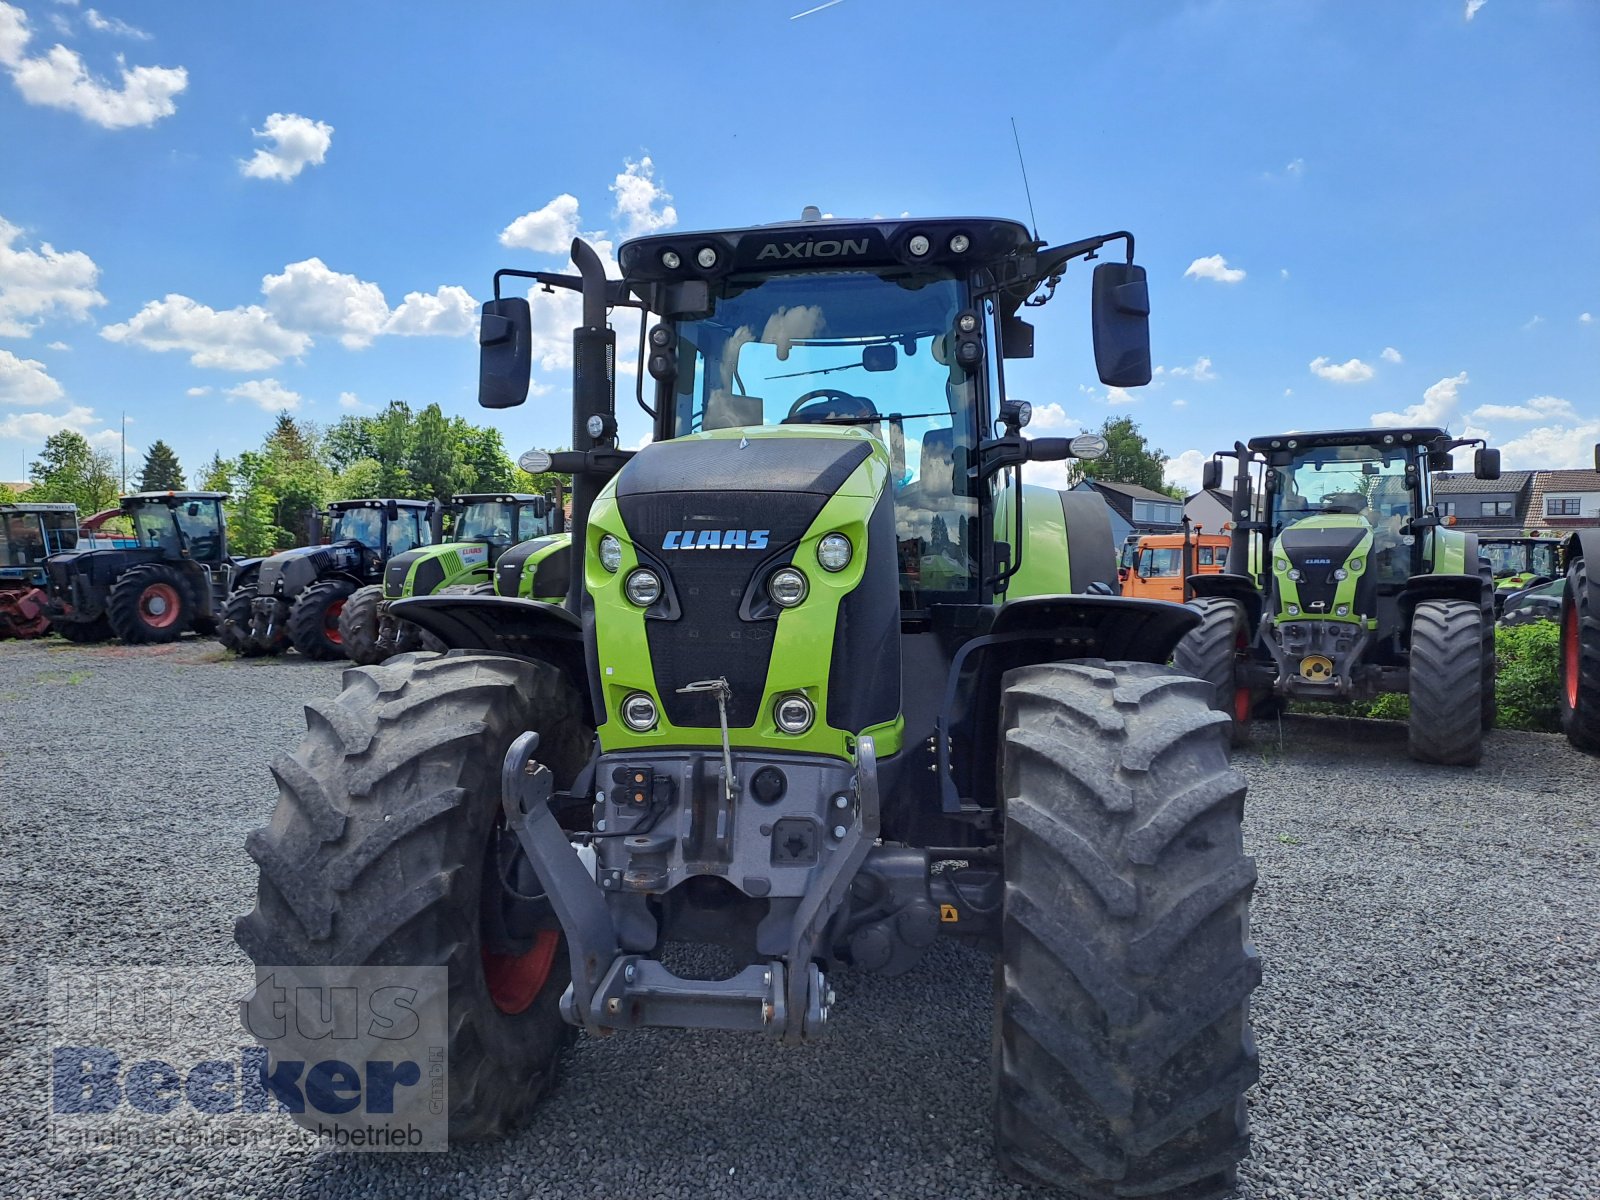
(616, 290)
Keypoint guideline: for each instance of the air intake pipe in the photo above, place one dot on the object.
(594, 394)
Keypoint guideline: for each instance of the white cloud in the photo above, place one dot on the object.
(1473, 6)
(1391, 355)
(298, 143)
(102, 24)
(58, 346)
(1354, 371)
(1201, 372)
(59, 79)
(1438, 405)
(1180, 404)
(1120, 397)
(312, 297)
(1288, 391)
(547, 230)
(198, 391)
(1052, 416)
(642, 205)
(1184, 470)
(1553, 447)
(25, 381)
(351, 402)
(1296, 168)
(37, 426)
(267, 394)
(1533, 322)
(447, 312)
(37, 283)
(1585, 318)
(1539, 408)
(1283, 272)
(1214, 266)
(238, 339)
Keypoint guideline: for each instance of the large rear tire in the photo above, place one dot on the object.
(1122, 1039)
(313, 623)
(1446, 724)
(1212, 651)
(150, 603)
(358, 626)
(382, 846)
(1580, 658)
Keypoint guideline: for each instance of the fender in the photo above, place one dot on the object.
(244, 573)
(1584, 544)
(1230, 587)
(1439, 587)
(505, 625)
(1039, 629)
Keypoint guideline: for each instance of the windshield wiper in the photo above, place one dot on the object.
(818, 371)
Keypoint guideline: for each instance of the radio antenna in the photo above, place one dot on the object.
(1025, 188)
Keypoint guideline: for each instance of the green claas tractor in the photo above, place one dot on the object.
(173, 579)
(1519, 563)
(1580, 636)
(295, 598)
(828, 684)
(488, 527)
(29, 534)
(1344, 582)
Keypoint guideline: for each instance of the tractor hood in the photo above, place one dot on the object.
(291, 571)
(1318, 564)
(713, 517)
(423, 571)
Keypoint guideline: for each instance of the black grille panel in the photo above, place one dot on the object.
(1317, 553)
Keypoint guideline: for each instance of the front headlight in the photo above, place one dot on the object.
(834, 552)
(643, 587)
(787, 587)
(639, 712)
(1280, 564)
(793, 713)
(1296, 574)
(610, 553)
(1294, 610)
(1356, 564)
(1340, 573)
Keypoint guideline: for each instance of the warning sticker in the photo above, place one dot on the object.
(948, 914)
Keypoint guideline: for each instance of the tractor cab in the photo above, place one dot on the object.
(1520, 562)
(383, 527)
(29, 534)
(181, 525)
(500, 521)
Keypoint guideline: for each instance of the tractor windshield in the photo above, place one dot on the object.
(156, 528)
(1517, 558)
(851, 347)
(364, 525)
(487, 521)
(24, 542)
(60, 531)
(1156, 562)
(1542, 556)
(1366, 481)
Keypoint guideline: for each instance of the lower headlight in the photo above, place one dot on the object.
(610, 553)
(1356, 564)
(643, 587)
(1340, 573)
(834, 551)
(1342, 611)
(1294, 610)
(639, 712)
(1296, 574)
(787, 587)
(793, 713)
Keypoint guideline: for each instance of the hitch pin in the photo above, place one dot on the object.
(723, 691)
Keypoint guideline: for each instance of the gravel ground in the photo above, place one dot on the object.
(1429, 1024)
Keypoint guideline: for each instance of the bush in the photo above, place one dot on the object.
(1529, 680)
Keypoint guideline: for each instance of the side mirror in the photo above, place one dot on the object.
(1597, 456)
(1016, 337)
(541, 508)
(1441, 462)
(1211, 475)
(1486, 464)
(1121, 315)
(391, 511)
(193, 510)
(505, 352)
(879, 358)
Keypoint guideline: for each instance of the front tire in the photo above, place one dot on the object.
(358, 626)
(150, 604)
(82, 632)
(1122, 1040)
(234, 632)
(1580, 659)
(1212, 651)
(313, 623)
(379, 852)
(1446, 682)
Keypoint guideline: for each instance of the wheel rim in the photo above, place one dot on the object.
(1241, 705)
(330, 622)
(1241, 695)
(515, 980)
(158, 605)
(1569, 657)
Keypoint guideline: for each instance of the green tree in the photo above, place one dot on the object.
(161, 470)
(347, 441)
(217, 475)
(8, 494)
(359, 481)
(70, 471)
(484, 456)
(437, 468)
(1129, 458)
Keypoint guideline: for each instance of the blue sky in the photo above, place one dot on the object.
(1350, 211)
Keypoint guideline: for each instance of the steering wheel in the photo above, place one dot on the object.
(840, 404)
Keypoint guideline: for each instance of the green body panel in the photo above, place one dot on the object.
(1514, 583)
(803, 641)
(1446, 550)
(1344, 594)
(1045, 570)
(556, 543)
(462, 563)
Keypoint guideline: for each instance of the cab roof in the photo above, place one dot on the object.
(488, 497)
(1409, 435)
(341, 505)
(41, 506)
(179, 496)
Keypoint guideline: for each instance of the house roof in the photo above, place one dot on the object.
(1221, 497)
(1583, 480)
(1135, 490)
(1447, 483)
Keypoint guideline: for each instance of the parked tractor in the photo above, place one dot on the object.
(487, 527)
(1344, 582)
(1580, 636)
(827, 685)
(174, 578)
(1519, 563)
(29, 534)
(295, 598)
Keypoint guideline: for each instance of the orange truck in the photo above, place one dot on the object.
(1156, 565)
